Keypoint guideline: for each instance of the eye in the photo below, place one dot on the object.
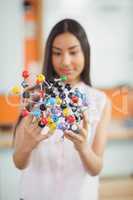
(56, 53)
(73, 52)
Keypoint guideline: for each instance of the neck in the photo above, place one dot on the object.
(73, 82)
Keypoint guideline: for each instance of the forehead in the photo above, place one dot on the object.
(65, 40)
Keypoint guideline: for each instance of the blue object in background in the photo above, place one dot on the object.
(128, 123)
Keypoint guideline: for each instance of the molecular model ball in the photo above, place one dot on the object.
(53, 103)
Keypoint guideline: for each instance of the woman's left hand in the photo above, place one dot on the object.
(79, 140)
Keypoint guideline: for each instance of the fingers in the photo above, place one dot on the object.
(44, 136)
(82, 131)
(85, 120)
(28, 119)
(31, 88)
(73, 136)
(37, 130)
(69, 137)
(34, 122)
(31, 125)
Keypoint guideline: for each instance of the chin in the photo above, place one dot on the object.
(70, 78)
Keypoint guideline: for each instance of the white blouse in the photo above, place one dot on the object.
(55, 170)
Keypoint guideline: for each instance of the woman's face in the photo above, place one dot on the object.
(68, 57)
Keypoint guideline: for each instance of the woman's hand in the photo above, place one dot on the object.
(30, 133)
(79, 140)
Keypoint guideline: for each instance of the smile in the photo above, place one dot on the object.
(66, 71)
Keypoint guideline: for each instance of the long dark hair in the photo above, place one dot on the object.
(73, 27)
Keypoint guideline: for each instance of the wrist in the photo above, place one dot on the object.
(83, 148)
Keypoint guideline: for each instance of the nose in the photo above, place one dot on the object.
(66, 60)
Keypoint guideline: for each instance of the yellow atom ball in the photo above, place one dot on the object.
(40, 77)
(52, 126)
(49, 120)
(58, 100)
(16, 89)
(66, 112)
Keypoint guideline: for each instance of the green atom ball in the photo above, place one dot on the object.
(63, 78)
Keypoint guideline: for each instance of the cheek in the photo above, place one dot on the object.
(55, 63)
(56, 60)
(75, 67)
(79, 64)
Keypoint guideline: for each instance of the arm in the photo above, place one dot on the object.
(28, 136)
(21, 153)
(92, 155)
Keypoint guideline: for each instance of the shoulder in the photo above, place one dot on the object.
(95, 92)
(99, 101)
(104, 101)
(96, 95)
(92, 90)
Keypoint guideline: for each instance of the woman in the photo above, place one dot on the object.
(53, 168)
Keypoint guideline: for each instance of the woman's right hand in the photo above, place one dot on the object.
(31, 133)
(28, 136)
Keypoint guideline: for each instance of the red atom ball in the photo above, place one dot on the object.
(74, 99)
(25, 113)
(71, 119)
(25, 74)
(44, 120)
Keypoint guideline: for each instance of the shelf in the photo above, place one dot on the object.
(116, 188)
(123, 135)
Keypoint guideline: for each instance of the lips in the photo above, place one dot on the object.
(65, 71)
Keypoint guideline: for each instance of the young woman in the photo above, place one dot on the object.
(56, 169)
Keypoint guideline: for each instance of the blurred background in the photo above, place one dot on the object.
(25, 25)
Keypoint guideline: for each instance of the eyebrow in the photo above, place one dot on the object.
(70, 48)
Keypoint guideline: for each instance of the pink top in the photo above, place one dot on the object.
(55, 170)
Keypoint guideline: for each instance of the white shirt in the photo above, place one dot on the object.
(55, 170)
